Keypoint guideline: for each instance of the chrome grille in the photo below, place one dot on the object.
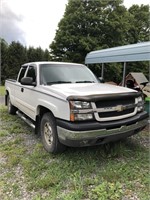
(115, 113)
(109, 109)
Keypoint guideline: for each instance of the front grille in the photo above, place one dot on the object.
(114, 102)
(115, 113)
(110, 104)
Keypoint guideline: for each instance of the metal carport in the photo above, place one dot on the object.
(124, 54)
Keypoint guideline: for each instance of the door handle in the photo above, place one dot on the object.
(22, 89)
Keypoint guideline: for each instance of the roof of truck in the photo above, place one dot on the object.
(49, 62)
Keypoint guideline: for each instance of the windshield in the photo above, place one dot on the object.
(69, 73)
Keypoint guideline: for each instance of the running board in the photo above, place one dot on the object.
(26, 119)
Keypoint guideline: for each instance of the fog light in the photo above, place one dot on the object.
(80, 117)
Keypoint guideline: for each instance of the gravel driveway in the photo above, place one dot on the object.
(2, 100)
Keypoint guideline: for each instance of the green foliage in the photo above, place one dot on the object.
(3, 54)
(107, 190)
(139, 28)
(83, 29)
(15, 54)
(139, 67)
(37, 54)
(91, 25)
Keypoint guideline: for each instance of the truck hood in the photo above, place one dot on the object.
(64, 91)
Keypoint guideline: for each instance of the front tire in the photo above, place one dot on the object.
(11, 109)
(49, 135)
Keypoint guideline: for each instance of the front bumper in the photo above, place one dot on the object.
(95, 133)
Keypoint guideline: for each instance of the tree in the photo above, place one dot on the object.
(16, 56)
(47, 56)
(139, 31)
(89, 25)
(3, 57)
(139, 28)
(31, 54)
(116, 23)
(37, 54)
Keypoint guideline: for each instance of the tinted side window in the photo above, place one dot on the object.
(22, 73)
(31, 73)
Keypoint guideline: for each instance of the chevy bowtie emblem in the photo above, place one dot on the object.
(120, 108)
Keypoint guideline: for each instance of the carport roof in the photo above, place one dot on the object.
(127, 53)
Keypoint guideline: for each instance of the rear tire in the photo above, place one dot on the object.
(11, 109)
(49, 134)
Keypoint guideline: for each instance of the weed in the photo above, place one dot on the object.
(107, 190)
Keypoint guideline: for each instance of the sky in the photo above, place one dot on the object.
(34, 22)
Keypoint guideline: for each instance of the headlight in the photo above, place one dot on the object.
(140, 104)
(80, 104)
(80, 111)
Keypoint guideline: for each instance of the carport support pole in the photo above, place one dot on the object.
(124, 74)
(102, 71)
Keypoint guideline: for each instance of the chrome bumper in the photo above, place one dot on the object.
(93, 137)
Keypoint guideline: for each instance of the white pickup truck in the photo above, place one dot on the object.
(68, 106)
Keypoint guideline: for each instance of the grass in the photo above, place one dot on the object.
(2, 90)
(113, 171)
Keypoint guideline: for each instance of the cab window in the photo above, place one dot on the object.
(31, 73)
(22, 73)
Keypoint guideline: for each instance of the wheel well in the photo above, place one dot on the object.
(42, 110)
(6, 96)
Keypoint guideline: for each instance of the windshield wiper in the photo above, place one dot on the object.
(57, 82)
(84, 81)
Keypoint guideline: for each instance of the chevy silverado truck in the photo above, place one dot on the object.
(68, 106)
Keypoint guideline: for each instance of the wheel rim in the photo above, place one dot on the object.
(48, 133)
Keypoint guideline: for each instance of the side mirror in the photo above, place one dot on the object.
(28, 81)
(101, 79)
